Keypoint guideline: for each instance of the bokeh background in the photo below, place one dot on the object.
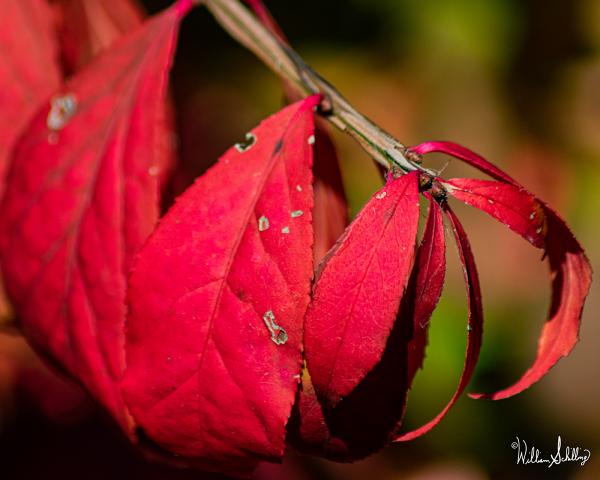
(516, 80)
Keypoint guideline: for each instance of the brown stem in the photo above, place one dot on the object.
(243, 26)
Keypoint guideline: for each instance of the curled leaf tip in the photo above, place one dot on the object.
(510, 203)
(571, 275)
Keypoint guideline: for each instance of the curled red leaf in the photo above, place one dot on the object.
(514, 206)
(89, 162)
(474, 325)
(466, 155)
(569, 267)
(217, 300)
(510, 203)
(358, 291)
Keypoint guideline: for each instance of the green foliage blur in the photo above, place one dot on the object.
(517, 81)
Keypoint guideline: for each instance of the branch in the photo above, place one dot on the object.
(243, 26)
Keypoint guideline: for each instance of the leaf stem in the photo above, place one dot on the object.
(244, 27)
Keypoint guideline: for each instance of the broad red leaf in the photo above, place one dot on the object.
(570, 269)
(89, 162)
(29, 72)
(217, 300)
(474, 325)
(87, 27)
(330, 215)
(428, 278)
(359, 289)
(29, 69)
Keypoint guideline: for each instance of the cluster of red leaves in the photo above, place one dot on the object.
(208, 334)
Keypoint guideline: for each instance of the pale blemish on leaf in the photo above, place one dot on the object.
(62, 109)
(299, 188)
(285, 230)
(311, 140)
(153, 171)
(297, 213)
(248, 144)
(381, 196)
(278, 334)
(263, 224)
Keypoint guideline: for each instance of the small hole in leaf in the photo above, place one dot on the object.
(263, 224)
(247, 144)
(278, 334)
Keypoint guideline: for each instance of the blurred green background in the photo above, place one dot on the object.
(519, 82)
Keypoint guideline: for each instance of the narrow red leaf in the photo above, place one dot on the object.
(358, 293)
(569, 267)
(330, 215)
(87, 27)
(474, 325)
(88, 161)
(468, 156)
(428, 278)
(217, 300)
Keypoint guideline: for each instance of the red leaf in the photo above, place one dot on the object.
(89, 26)
(364, 422)
(330, 214)
(29, 69)
(468, 156)
(570, 269)
(428, 278)
(357, 295)
(309, 431)
(475, 324)
(217, 299)
(88, 161)
(513, 206)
